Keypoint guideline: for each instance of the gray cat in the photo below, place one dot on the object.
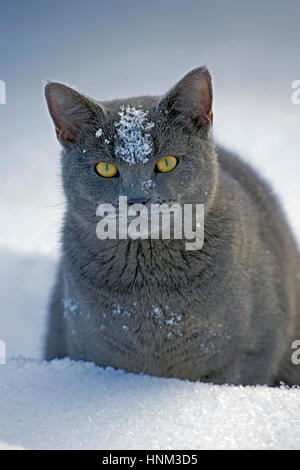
(227, 313)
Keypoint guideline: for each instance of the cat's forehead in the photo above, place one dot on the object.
(134, 132)
(129, 128)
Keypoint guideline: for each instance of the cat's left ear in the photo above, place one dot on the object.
(73, 114)
(190, 100)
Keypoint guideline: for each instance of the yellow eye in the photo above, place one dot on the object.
(166, 164)
(108, 170)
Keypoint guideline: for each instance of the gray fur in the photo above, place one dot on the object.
(226, 313)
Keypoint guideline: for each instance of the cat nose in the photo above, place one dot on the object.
(137, 200)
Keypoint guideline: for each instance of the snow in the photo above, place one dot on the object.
(74, 405)
(69, 306)
(132, 128)
(147, 184)
(99, 133)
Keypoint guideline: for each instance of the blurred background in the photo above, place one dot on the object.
(121, 48)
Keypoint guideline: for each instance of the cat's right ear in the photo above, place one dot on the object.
(71, 112)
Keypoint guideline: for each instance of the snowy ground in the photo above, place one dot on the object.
(75, 405)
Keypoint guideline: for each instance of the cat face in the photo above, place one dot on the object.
(151, 151)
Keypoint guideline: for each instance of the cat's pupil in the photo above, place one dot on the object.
(167, 162)
(106, 166)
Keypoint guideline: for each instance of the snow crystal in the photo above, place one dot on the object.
(132, 131)
(169, 321)
(99, 133)
(147, 184)
(157, 311)
(174, 320)
(117, 310)
(70, 306)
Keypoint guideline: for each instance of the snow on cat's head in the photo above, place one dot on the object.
(135, 144)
